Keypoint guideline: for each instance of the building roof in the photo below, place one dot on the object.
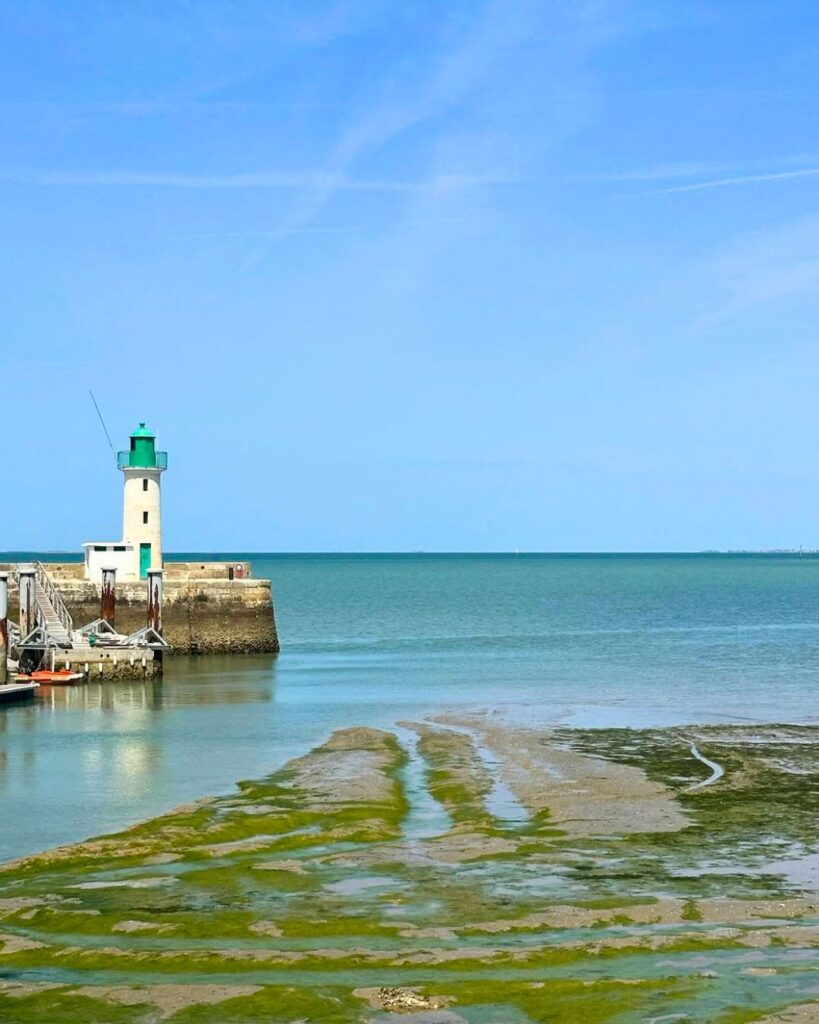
(142, 431)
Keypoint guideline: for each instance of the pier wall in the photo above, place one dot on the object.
(99, 663)
(187, 571)
(199, 616)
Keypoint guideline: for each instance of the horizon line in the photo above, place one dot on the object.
(239, 554)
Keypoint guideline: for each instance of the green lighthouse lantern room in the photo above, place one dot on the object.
(142, 453)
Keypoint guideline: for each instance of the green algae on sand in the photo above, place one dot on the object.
(303, 895)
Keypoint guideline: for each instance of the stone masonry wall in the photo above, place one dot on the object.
(199, 616)
(99, 663)
(59, 571)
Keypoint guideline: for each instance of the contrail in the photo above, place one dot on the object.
(747, 179)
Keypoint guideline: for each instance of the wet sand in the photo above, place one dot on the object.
(583, 795)
(575, 875)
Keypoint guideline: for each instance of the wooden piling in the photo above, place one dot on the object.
(108, 599)
(4, 627)
(28, 601)
(155, 600)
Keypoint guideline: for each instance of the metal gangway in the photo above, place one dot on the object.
(54, 629)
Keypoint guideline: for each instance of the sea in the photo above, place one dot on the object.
(585, 640)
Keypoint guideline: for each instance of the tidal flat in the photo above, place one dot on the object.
(458, 869)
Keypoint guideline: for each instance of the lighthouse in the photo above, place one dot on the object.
(142, 466)
(140, 549)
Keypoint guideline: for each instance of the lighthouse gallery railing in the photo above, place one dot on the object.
(136, 460)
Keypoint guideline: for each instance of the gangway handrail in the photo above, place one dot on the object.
(55, 597)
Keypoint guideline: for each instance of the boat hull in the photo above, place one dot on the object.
(52, 678)
(18, 691)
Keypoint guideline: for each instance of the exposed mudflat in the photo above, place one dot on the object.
(576, 876)
(583, 795)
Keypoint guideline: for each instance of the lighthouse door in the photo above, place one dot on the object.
(144, 560)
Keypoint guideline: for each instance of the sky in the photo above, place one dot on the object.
(453, 275)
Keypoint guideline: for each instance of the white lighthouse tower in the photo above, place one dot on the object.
(141, 546)
(143, 466)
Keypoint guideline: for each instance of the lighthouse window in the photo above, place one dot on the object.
(144, 485)
(145, 517)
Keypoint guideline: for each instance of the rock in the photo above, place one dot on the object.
(409, 1000)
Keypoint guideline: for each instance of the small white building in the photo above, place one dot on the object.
(141, 546)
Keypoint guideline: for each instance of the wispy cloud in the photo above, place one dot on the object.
(665, 172)
(379, 227)
(248, 180)
(712, 174)
(760, 267)
(707, 169)
(467, 56)
(415, 94)
(733, 182)
(198, 103)
(715, 175)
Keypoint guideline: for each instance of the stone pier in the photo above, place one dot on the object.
(207, 607)
(109, 662)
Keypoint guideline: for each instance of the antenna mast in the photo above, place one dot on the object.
(102, 421)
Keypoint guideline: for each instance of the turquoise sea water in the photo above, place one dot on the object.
(375, 639)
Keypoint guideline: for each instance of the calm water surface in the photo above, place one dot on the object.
(369, 639)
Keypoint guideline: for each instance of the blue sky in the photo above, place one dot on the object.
(414, 276)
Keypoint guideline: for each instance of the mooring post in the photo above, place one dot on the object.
(4, 627)
(108, 599)
(155, 599)
(28, 601)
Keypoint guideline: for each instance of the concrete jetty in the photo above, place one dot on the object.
(207, 607)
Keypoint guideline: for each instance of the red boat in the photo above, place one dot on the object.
(46, 678)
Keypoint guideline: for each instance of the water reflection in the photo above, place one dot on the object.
(223, 679)
(127, 767)
(80, 760)
(142, 695)
(200, 680)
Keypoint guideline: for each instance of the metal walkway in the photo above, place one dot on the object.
(54, 630)
(52, 610)
(55, 627)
